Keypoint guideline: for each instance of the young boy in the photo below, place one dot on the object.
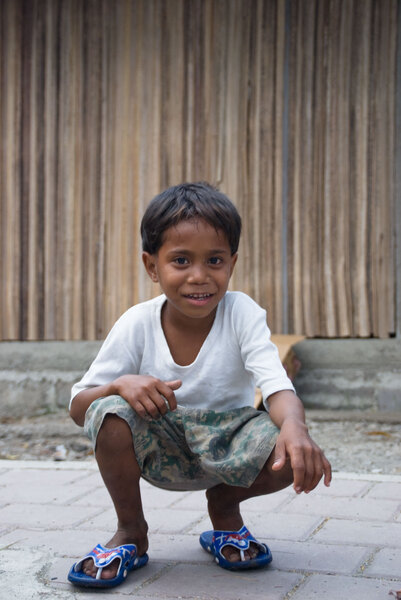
(170, 395)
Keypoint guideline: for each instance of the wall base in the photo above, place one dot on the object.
(36, 377)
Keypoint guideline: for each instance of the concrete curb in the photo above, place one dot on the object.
(92, 466)
(335, 374)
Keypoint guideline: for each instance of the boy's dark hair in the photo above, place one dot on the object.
(189, 201)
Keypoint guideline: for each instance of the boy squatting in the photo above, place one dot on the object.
(170, 395)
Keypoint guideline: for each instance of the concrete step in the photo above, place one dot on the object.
(350, 374)
(36, 377)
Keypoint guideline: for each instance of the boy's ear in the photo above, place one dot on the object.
(150, 266)
(233, 261)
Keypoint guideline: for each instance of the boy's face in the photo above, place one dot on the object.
(193, 267)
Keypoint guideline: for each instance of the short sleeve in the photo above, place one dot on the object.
(118, 355)
(259, 354)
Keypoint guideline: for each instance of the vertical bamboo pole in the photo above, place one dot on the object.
(10, 181)
(51, 308)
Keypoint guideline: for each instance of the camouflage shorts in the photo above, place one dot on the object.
(193, 449)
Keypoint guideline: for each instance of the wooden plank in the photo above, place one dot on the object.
(120, 162)
(329, 187)
(106, 23)
(51, 308)
(150, 181)
(308, 215)
(173, 93)
(90, 118)
(285, 342)
(10, 162)
(358, 160)
(31, 197)
(104, 104)
(285, 346)
(296, 169)
(279, 283)
(381, 169)
(342, 60)
(256, 238)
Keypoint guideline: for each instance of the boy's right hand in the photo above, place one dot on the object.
(147, 395)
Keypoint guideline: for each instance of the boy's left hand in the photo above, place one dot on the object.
(308, 462)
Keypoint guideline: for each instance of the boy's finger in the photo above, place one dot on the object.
(165, 388)
(175, 384)
(145, 408)
(298, 484)
(310, 473)
(322, 468)
(279, 457)
(326, 471)
(316, 477)
(298, 469)
(154, 404)
(159, 404)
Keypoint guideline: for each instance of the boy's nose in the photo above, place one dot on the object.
(197, 274)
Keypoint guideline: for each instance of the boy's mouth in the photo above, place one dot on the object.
(198, 296)
(199, 299)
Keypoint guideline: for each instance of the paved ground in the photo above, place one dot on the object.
(338, 543)
(354, 441)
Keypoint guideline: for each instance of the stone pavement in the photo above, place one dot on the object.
(341, 542)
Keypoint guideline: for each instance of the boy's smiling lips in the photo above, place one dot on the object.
(198, 297)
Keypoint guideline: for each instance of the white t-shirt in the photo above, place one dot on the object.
(236, 356)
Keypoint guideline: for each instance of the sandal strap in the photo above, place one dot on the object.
(102, 556)
(241, 540)
(247, 535)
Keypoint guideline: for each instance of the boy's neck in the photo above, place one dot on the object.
(184, 335)
(173, 319)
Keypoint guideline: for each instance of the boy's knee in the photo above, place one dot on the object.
(114, 433)
(275, 480)
(286, 475)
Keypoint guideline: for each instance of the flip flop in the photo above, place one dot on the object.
(214, 541)
(102, 557)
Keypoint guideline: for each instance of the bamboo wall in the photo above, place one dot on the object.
(288, 106)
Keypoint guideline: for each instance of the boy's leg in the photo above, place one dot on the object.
(121, 474)
(224, 501)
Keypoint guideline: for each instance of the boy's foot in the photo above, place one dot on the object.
(216, 541)
(227, 518)
(120, 538)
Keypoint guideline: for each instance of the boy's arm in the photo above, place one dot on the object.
(307, 460)
(81, 402)
(145, 394)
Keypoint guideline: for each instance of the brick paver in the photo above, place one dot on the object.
(360, 508)
(371, 533)
(385, 563)
(340, 542)
(385, 490)
(333, 587)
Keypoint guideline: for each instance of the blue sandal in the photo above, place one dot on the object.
(102, 557)
(214, 541)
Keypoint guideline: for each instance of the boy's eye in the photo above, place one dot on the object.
(181, 260)
(215, 260)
